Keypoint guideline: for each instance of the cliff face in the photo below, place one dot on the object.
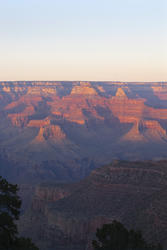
(50, 132)
(146, 130)
(74, 106)
(160, 92)
(75, 126)
(83, 90)
(67, 215)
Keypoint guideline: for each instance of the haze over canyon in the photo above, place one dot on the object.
(63, 130)
(56, 137)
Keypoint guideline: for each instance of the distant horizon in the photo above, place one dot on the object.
(116, 81)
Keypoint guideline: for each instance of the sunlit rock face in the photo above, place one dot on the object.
(83, 90)
(63, 130)
(160, 91)
(50, 132)
(120, 93)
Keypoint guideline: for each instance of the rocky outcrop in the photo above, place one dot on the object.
(40, 137)
(120, 93)
(41, 90)
(39, 123)
(54, 132)
(83, 90)
(146, 130)
(152, 130)
(6, 89)
(127, 110)
(160, 92)
(21, 119)
(50, 132)
(101, 89)
(134, 134)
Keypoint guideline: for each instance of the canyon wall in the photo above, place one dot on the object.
(67, 215)
(73, 127)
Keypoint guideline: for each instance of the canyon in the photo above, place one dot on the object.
(66, 216)
(56, 136)
(63, 130)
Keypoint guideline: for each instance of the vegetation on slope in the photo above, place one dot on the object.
(117, 236)
(10, 204)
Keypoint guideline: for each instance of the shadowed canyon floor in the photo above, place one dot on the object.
(65, 216)
(63, 130)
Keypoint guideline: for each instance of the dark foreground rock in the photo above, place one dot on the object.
(65, 216)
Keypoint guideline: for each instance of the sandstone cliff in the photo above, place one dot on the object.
(120, 93)
(83, 90)
(50, 132)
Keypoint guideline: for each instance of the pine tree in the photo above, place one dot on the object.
(115, 236)
(10, 204)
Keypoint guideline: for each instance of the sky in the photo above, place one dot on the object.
(90, 40)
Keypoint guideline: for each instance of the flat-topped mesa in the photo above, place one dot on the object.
(120, 93)
(51, 91)
(88, 84)
(33, 91)
(83, 90)
(13, 89)
(39, 123)
(40, 90)
(51, 132)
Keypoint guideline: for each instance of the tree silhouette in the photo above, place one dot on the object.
(10, 204)
(116, 237)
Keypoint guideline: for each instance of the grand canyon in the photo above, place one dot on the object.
(63, 130)
(85, 153)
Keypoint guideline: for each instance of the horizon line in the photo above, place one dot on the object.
(160, 81)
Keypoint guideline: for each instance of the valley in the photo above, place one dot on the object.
(54, 139)
(63, 130)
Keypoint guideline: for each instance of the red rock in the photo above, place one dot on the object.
(83, 90)
(120, 93)
(50, 132)
(39, 123)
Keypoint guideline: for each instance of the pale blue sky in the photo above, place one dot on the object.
(83, 40)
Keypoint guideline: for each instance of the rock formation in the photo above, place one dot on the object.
(39, 123)
(66, 216)
(120, 93)
(72, 128)
(50, 132)
(152, 130)
(83, 90)
(160, 92)
(134, 134)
